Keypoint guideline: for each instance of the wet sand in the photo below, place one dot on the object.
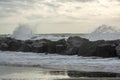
(28, 73)
(36, 73)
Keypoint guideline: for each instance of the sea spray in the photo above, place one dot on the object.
(22, 32)
(104, 32)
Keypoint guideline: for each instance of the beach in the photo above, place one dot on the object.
(28, 73)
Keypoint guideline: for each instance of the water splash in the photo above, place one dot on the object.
(104, 32)
(22, 32)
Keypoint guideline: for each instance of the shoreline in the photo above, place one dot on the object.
(70, 73)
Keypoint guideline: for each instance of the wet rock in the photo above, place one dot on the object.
(14, 45)
(25, 48)
(92, 74)
(57, 46)
(118, 50)
(105, 50)
(40, 46)
(76, 41)
(60, 48)
(73, 46)
(88, 48)
(4, 46)
(73, 43)
(99, 48)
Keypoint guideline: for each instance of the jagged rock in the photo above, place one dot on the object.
(25, 48)
(118, 50)
(73, 43)
(14, 45)
(4, 46)
(73, 46)
(71, 51)
(88, 48)
(99, 48)
(105, 50)
(57, 46)
(40, 46)
(76, 41)
(60, 48)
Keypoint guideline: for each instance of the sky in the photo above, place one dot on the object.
(58, 16)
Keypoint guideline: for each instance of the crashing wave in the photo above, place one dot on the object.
(104, 32)
(22, 32)
(106, 29)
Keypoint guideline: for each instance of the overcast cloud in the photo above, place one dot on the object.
(65, 16)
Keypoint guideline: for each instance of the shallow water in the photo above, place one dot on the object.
(29, 73)
(54, 61)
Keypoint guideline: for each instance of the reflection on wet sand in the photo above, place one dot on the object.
(36, 73)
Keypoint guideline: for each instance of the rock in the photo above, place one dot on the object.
(60, 48)
(99, 48)
(73, 43)
(57, 46)
(73, 46)
(92, 74)
(71, 51)
(118, 50)
(105, 50)
(14, 45)
(4, 46)
(76, 41)
(25, 48)
(40, 46)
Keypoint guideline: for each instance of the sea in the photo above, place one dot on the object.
(41, 66)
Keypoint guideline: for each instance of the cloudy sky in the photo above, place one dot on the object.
(59, 16)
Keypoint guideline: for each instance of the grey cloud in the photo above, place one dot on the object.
(51, 4)
(118, 0)
(76, 0)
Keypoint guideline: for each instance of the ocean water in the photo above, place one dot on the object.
(22, 65)
(60, 62)
(34, 66)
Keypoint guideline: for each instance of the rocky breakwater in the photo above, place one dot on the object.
(72, 46)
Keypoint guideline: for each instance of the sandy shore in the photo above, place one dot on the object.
(28, 73)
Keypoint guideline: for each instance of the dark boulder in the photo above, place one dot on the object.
(57, 46)
(25, 48)
(92, 74)
(4, 46)
(105, 50)
(14, 45)
(76, 41)
(99, 48)
(71, 51)
(73, 44)
(118, 50)
(40, 46)
(60, 48)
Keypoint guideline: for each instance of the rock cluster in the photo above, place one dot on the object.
(72, 46)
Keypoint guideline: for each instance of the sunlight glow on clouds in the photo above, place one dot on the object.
(54, 16)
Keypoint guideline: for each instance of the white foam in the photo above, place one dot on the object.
(22, 32)
(104, 33)
(60, 62)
